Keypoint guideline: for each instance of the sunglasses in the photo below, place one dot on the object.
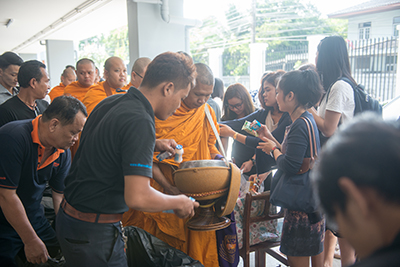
(138, 74)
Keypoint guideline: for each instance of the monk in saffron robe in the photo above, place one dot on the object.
(68, 76)
(189, 127)
(86, 73)
(115, 75)
(138, 70)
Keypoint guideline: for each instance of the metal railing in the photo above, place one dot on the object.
(285, 57)
(374, 64)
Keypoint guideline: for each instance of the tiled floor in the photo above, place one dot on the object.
(271, 262)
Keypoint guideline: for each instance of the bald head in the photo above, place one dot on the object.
(86, 72)
(115, 72)
(138, 70)
(204, 74)
(68, 76)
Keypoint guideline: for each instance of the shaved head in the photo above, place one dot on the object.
(68, 76)
(86, 72)
(115, 72)
(138, 70)
(140, 65)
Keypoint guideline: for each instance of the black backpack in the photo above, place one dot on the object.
(362, 100)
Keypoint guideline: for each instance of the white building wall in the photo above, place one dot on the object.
(381, 24)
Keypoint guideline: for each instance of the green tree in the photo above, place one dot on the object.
(280, 24)
(99, 48)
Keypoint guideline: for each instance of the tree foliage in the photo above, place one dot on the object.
(99, 48)
(278, 23)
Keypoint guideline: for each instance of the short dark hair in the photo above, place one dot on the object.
(29, 70)
(365, 150)
(305, 85)
(218, 90)
(177, 68)
(64, 108)
(10, 58)
(271, 78)
(333, 61)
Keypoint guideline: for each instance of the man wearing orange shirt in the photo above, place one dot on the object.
(138, 70)
(86, 73)
(115, 74)
(68, 76)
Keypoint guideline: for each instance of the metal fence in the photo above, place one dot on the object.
(285, 57)
(374, 64)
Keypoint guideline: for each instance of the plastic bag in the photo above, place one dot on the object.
(144, 249)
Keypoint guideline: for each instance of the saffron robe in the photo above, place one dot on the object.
(95, 94)
(76, 90)
(57, 91)
(191, 129)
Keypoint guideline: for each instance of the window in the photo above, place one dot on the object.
(396, 21)
(364, 30)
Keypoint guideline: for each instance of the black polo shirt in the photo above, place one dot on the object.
(20, 153)
(118, 139)
(14, 109)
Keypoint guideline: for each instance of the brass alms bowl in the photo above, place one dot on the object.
(215, 185)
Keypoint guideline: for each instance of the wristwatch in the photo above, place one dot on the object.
(272, 151)
(254, 161)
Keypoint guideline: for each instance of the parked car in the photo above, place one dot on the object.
(391, 111)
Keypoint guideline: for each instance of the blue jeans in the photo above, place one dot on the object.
(90, 244)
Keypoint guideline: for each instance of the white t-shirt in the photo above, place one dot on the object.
(340, 100)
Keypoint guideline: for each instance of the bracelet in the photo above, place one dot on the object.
(254, 161)
(272, 151)
(235, 135)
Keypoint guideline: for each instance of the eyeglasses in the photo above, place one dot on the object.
(237, 106)
(138, 74)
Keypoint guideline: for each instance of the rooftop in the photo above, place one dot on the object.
(372, 6)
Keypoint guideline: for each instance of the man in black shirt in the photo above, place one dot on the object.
(34, 85)
(357, 181)
(113, 164)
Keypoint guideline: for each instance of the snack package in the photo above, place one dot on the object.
(255, 125)
(247, 127)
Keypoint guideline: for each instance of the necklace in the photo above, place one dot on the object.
(33, 107)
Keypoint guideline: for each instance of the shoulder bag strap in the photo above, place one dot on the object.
(313, 136)
(308, 163)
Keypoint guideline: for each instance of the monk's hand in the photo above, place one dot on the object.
(165, 145)
(187, 207)
(172, 190)
(35, 251)
(267, 145)
(225, 131)
(246, 166)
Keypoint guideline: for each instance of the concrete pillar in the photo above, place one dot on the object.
(148, 34)
(257, 64)
(313, 42)
(397, 91)
(215, 61)
(59, 54)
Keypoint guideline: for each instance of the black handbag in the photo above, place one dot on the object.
(294, 191)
